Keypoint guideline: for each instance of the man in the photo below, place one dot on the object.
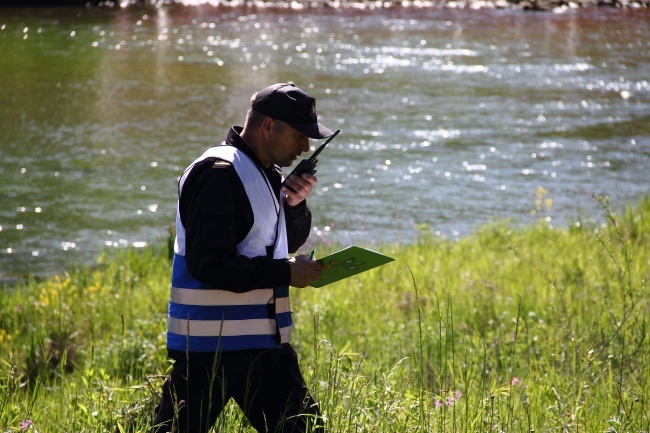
(229, 320)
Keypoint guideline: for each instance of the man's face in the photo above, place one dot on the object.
(285, 147)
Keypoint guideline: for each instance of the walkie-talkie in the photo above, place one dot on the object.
(309, 165)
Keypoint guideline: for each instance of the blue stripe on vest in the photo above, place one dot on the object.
(181, 276)
(212, 344)
(218, 312)
(283, 319)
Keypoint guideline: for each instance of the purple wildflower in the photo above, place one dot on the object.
(26, 424)
(515, 381)
(438, 403)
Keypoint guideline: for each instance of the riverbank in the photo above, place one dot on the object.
(533, 5)
(514, 329)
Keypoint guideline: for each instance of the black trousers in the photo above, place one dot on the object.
(266, 384)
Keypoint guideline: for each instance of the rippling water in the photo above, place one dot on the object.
(449, 118)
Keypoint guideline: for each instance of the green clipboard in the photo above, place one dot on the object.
(348, 262)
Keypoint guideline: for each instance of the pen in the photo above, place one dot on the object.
(311, 256)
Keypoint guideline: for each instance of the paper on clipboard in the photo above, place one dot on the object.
(348, 262)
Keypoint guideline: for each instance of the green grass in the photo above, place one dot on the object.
(510, 329)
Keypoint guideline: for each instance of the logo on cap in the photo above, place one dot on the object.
(313, 110)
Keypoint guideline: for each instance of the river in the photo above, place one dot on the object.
(450, 118)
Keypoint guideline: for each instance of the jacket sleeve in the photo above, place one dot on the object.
(217, 214)
(298, 225)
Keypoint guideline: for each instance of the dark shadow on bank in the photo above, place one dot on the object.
(535, 5)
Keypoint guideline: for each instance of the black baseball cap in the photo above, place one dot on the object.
(291, 104)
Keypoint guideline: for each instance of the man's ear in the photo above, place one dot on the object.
(268, 125)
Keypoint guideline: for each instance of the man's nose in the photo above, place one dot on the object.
(304, 146)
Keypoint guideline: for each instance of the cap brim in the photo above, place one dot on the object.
(312, 130)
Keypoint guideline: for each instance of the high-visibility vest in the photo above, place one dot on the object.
(208, 319)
